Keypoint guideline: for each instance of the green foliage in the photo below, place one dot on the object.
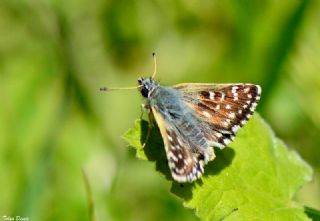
(256, 176)
(312, 213)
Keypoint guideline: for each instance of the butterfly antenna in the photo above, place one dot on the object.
(119, 88)
(155, 65)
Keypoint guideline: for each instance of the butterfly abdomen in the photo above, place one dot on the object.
(188, 126)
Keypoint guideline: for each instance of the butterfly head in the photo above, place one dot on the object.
(147, 85)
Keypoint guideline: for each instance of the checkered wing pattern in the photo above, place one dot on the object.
(185, 165)
(221, 108)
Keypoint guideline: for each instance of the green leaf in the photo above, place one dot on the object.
(312, 213)
(255, 177)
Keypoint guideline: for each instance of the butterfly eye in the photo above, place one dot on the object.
(144, 92)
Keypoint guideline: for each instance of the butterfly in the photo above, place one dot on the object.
(193, 118)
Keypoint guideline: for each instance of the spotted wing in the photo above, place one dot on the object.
(185, 165)
(221, 108)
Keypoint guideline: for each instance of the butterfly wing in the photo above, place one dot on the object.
(185, 165)
(222, 108)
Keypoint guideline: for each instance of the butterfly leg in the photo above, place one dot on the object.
(144, 108)
(150, 126)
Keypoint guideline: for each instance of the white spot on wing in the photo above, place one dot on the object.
(232, 115)
(207, 114)
(226, 141)
(235, 96)
(211, 95)
(225, 123)
(222, 96)
(194, 170)
(171, 164)
(234, 89)
(228, 106)
(172, 156)
(243, 122)
(258, 89)
(216, 144)
(178, 178)
(180, 170)
(235, 128)
(253, 106)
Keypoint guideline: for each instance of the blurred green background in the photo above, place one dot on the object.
(54, 56)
